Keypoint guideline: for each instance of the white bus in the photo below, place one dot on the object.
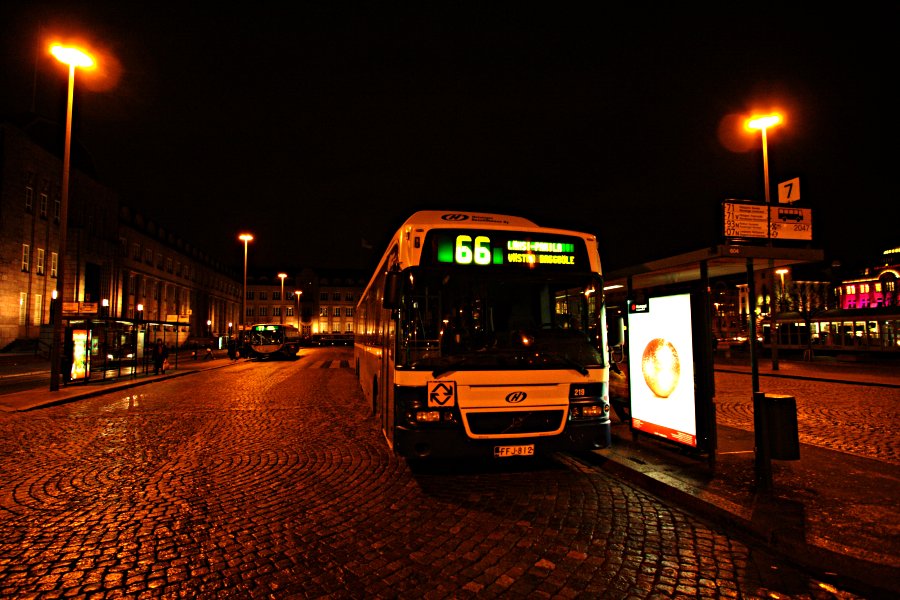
(485, 334)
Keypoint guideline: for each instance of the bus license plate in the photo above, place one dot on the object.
(504, 451)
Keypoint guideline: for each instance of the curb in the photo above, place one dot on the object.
(863, 570)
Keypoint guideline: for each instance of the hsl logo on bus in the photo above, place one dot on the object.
(516, 397)
(454, 217)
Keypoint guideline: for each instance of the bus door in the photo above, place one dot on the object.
(386, 391)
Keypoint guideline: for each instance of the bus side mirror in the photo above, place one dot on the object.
(391, 290)
(615, 330)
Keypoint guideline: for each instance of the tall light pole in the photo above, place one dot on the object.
(281, 276)
(246, 238)
(763, 123)
(74, 57)
(297, 295)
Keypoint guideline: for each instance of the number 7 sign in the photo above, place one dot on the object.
(789, 191)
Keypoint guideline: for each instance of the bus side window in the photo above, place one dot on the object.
(392, 290)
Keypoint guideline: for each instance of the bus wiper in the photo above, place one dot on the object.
(565, 359)
(451, 363)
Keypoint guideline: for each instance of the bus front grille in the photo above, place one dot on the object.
(522, 422)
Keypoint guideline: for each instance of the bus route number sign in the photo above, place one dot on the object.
(483, 249)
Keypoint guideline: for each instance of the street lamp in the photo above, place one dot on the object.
(281, 276)
(74, 57)
(246, 238)
(763, 123)
(297, 295)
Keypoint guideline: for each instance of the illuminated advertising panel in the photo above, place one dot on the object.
(81, 358)
(485, 248)
(661, 368)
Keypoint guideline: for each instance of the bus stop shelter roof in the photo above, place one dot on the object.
(723, 260)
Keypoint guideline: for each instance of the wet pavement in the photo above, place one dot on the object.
(834, 510)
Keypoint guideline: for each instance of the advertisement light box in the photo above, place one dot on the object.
(661, 368)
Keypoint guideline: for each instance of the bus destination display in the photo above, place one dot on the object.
(503, 248)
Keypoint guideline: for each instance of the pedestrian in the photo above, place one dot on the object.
(209, 354)
(231, 349)
(159, 354)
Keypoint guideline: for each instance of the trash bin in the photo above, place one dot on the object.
(780, 412)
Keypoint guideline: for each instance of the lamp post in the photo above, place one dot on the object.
(246, 238)
(74, 57)
(297, 295)
(281, 276)
(763, 123)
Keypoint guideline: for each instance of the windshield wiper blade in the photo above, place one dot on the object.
(570, 362)
(451, 364)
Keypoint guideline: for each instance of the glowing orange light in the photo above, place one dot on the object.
(72, 56)
(763, 122)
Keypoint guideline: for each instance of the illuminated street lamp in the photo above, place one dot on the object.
(246, 238)
(763, 123)
(281, 276)
(74, 57)
(297, 295)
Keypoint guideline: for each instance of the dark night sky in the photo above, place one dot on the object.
(316, 127)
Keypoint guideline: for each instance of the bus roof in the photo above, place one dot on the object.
(438, 218)
(414, 228)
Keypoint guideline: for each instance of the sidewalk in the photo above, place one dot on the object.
(41, 396)
(832, 512)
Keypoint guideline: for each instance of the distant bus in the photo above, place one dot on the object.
(485, 334)
(272, 340)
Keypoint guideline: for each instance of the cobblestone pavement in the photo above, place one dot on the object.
(270, 480)
(856, 419)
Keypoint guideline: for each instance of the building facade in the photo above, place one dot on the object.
(118, 264)
(876, 288)
(321, 303)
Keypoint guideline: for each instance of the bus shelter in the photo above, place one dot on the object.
(106, 347)
(648, 295)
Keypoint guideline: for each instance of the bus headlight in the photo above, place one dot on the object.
(428, 416)
(583, 412)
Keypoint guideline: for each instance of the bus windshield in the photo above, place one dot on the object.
(458, 319)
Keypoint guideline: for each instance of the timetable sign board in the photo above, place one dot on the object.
(766, 221)
(746, 220)
(789, 223)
